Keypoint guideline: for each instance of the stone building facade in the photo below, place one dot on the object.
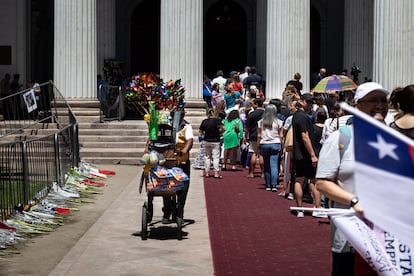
(68, 41)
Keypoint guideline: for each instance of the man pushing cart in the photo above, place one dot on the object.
(171, 180)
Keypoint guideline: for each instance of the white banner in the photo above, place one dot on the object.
(376, 248)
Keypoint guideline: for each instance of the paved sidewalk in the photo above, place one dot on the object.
(112, 247)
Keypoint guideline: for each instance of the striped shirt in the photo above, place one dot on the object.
(332, 124)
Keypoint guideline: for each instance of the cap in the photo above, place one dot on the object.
(366, 88)
(307, 97)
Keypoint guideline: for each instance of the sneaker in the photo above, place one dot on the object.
(290, 196)
(274, 189)
(300, 214)
(165, 221)
(319, 214)
(268, 189)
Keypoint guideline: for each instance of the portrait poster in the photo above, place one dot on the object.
(30, 101)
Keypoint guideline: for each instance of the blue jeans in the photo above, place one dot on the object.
(270, 153)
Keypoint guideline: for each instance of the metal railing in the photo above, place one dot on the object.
(111, 99)
(38, 145)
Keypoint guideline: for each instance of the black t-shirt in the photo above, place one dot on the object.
(251, 123)
(253, 80)
(301, 123)
(211, 128)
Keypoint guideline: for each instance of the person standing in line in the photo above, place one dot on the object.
(245, 74)
(230, 97)
(318, 76)
(212, 128)
(319, 105)
(335, 173)
(296, 83)
(5, 88)
(237, 85)
(337, 119)
(304, 155)
(221, 81)
(270, 135)
(231, 138)
(4, 91)
(216, 96)
(251, 133)
(289, 94)
(207, 91)
(253, 79)
(403, 100)
(289, 172)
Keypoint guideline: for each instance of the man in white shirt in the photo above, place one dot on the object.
(245, 74)
(220, 80)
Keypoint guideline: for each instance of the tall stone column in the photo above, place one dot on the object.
(393, 43)
(287, 45)
(105, 32)
(182, 44)
(358, 36)
(75, 48)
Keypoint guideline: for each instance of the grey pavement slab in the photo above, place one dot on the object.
(111, 246)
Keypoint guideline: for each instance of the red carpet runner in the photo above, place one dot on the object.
(252, 231)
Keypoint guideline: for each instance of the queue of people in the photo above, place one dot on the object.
(314, 166)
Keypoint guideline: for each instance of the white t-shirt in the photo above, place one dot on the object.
(188, 132)
(270, 136)
(331, 166)
(221, 81)
(288, 122)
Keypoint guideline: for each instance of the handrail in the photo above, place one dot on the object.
(38, 145)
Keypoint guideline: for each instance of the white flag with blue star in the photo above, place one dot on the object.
(384, 176)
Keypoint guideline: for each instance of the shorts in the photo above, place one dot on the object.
(304, 168)
(254, 145)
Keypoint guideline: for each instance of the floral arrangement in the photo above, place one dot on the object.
(149, 88)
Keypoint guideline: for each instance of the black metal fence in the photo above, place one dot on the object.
(38, 145)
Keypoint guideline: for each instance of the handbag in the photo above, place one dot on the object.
(289, 140)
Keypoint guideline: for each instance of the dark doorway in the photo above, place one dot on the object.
(225, 35)
(145, 37)
(315, 42)
(41, 40)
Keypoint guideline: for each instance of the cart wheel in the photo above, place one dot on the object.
(150, 212)
(179, 228)
(144, 230)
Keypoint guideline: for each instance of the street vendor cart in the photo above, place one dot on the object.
(160, 176)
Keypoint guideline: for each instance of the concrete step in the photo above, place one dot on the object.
(113, 144)
(122, 142)
(136, 124)
(114, 132)
(107, 139)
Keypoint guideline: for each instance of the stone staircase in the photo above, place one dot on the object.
(121, 142)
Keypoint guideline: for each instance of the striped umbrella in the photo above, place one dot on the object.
(334, 83)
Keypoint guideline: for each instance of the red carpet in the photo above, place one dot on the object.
(252, 231)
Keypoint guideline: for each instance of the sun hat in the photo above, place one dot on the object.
(366, 88)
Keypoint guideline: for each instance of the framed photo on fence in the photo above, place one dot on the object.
(30, 101)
